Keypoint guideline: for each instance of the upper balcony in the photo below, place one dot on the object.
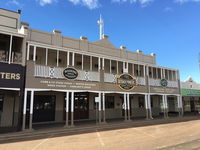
(10, 49)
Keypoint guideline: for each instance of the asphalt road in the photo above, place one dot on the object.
(176, 136)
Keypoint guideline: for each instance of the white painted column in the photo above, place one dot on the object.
(128, 106)
(46, 60)
(10, 49)
(99, 64)
(149, 106)
(144, 71)
(31, 110)
(67, 109)
(24, 110)
(133, 71)
(34, 53)
(72, 108)
(161, 71)
(110, 66)
(99, 107)
(103, 63)
(146, 106)
(166, 106)
(57, 60)
(73, 59)
(125, 107)
(139, 70)
(82, 61)
(117, 67)
(68, 53)
(90, 63)
(28, 52)
(104, 109)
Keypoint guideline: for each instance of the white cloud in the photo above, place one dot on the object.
(91, 4)
(44, 2)
(142, 2)
(14, 2)
(184, 1)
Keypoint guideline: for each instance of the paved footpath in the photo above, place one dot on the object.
(175, 136)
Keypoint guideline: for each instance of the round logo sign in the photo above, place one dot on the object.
(126, 81)
(163, 82)
(70, 73)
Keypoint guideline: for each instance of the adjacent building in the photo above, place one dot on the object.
(12, 69)
(190, 91)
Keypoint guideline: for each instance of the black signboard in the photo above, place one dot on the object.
(70, 73)
(126, 81)
(11, 75)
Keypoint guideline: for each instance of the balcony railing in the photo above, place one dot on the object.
(156, 82)
(111, 78)
(56, 73)
(15, 57)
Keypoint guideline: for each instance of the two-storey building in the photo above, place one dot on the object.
(12, 65)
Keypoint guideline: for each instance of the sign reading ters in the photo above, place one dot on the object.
(70, 73)
(126, 81)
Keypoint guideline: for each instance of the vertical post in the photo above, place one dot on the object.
(146, 106)
(46, 60)
(117, 67)
(138, 70)
(28, 52)
(125, 107)
(90, 63)
(34, 53)
(31, 110)
(67, 109)
(104, 111)
(57, 61)
(144, 71)
(72, 108)
(99, 107)
(110, 66)
(73, 59)
(181, 105)
(164, 106)
(10, 49)
(82, 59)
(68, 58)
(99, 64)
(133, 71)
(103, 63)
(149, 105)
(128, 107)
(24, 110)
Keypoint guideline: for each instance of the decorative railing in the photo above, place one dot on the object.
(156, 82)
(56, 73)
(111, 78)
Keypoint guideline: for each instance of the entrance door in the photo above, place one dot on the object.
(81, 106)
(192, 104)
(44, 108)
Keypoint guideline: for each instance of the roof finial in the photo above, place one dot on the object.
(101, 27)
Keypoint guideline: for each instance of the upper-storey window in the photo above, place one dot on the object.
(10, 48)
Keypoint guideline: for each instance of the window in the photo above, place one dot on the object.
(141, 102)
(1, 102)
(109, 103)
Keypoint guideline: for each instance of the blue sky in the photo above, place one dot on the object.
(169, 28)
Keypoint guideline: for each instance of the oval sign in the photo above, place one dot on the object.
(126, 81)
(70, 73)
(163, 82)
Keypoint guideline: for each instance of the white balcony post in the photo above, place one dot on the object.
(146, 106)
(117, 67)
(90, 63)
(128, 106)
(57, 60)
(67, 109)
(104, 111)
(10, 49)
(82, 59)
(72, 108)
(46, 58)
(28, 52)
(138, 70)
(99, 107)
(144, 71)
(99, 64)
(24, 110)
(103, 63)
(34, 53)
(73, 59)
(68, 53)
(110, 66)
(31, 110)
(127, 66)
(125, 107)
